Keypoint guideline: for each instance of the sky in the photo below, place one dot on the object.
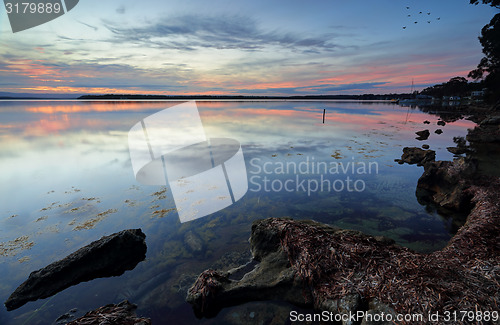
(291, 47)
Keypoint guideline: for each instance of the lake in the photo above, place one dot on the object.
(67, 180)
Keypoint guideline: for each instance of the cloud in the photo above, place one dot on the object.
(314, 89)
(349, 86)
(39, 75)
(221, 32)
(90, 26)
(121, 9)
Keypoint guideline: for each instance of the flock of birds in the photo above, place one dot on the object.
(418, 17)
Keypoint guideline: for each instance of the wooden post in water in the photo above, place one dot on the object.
(324, 110)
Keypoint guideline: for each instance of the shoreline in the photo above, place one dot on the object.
(340, 271)
(236, 100)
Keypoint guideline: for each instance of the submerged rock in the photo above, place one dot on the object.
(193, 242)
(438, 131)
(122, 313)
(109, 256)
(67, 317)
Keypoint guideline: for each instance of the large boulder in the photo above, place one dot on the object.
(276, 276)
(346, 272)
(272, 278)
(447, 183)
(443, 183)
(109, 256)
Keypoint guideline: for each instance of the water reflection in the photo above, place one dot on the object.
(67, 179)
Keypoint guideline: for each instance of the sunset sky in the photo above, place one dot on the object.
(290, 47)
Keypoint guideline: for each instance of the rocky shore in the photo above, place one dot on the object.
(122, 313)
(341, 271)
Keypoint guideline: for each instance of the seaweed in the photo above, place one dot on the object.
(462, 276)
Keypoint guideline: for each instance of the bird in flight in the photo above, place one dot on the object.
(413, 15)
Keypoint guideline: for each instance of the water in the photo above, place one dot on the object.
(66, 180)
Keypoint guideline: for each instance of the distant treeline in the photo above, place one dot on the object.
(457, 86)
(231, 97)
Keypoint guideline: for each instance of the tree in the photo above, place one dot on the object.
(456, 86)
(490, 34)
(489, 66)
(493, 3)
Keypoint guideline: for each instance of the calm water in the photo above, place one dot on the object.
(66, 180)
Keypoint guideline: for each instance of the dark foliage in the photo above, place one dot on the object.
(457, 86)
(489, 66)
(493, 3)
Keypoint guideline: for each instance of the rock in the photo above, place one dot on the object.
(425, 146)
(193, 242)
(342, 271)
(271, 279)
(444, 182)
(427, 122)
(65, 318)
(422, 135)
(441, 123)
(491, 120)
(486, 132)
(274, 278)
(375, 310)
(109, 256)
(438, 131)
(122, 313)
(348, 272)
(447, 183)
(413, 155)
(457, 150)
(257, 313)
(349, 304)
(232, 261)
